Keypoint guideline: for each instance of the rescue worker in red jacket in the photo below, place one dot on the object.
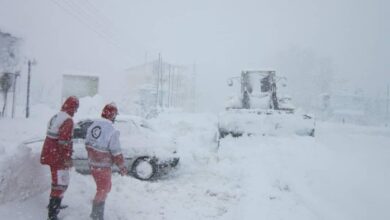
(104, 150)
(57, 153)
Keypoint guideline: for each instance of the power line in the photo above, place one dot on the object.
(75, 11)
(103, 22)
(98, 12)
(102, 19)
(81, 19)
(90, 16)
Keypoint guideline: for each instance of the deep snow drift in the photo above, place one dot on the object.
(342, 173)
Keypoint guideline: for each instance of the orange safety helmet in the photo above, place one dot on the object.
(70, 105)
(110, 111)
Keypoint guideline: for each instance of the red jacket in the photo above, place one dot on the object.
(57, 148)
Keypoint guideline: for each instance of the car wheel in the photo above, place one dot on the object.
(143, 168)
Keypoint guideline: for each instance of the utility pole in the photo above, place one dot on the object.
(16, 75)
(193, 87)
(169, 85)
(387, 105)
(173, 89)
(157, 71)
(28, 89)
(29, 63)
(146, 61)
(161, 83)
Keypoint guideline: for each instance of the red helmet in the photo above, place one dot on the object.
(110, 111)
(70, 105)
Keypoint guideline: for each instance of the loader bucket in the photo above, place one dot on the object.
(238, 122)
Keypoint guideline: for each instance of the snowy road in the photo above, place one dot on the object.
(343, 173)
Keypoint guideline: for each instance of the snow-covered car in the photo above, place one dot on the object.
(147, 154)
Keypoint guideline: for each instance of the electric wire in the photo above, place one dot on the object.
(90, 16)
(103, 21)
(76, 14)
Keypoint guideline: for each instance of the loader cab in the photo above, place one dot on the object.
(261, 106)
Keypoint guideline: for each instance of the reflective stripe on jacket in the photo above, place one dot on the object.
(102, 143)
(55, 123)
(98, 158)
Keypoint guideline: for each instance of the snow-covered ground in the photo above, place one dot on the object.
(342, 173)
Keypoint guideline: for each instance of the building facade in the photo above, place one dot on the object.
(160, 85)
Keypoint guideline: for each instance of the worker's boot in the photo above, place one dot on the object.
(62, 206)
(54, 208)
(97, 211)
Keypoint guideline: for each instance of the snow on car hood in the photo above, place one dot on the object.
(138, 138)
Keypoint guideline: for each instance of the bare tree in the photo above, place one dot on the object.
(9, 60)
(5, 85)
(9, 53)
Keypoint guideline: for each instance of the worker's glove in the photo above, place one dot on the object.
(68, 163)
(123, 171)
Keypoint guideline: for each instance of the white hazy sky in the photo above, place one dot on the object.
(221, 36)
